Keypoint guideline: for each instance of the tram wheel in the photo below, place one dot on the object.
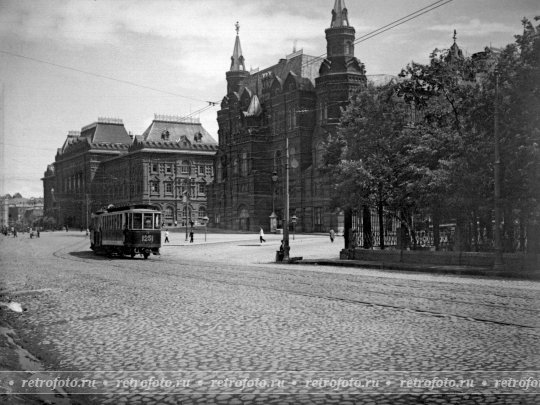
(146, 255)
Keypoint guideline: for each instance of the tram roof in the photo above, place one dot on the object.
(136, 207)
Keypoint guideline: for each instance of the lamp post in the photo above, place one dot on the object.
(273, 216)
(498, 265)
(286, 246)
(185, 200)
(293, 220)
(205, 219)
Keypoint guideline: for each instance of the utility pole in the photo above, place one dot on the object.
(286, 247)
(498, 265)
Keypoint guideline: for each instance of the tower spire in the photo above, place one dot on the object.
(455, 53)
(339, 15)
(237, 59)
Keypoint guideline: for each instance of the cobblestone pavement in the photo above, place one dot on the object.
(219, 318)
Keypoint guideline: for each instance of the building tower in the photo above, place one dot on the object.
(238, 72)
(340, 73)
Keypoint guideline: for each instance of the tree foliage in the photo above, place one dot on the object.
(426, 144)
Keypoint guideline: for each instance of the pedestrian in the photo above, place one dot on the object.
(175, 224)
(261, 236)
(332, 235)
(14, 233)
(281, 251)
(191, 236)
(37, 232)
(166, 236)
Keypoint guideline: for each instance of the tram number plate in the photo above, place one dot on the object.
(147, 238)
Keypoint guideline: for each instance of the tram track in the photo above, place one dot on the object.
(240, 280)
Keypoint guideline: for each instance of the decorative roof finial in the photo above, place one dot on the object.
(237, 27)
(455, 36)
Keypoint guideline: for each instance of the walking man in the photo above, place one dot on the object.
(261, 236)
(191, 236)
(166, 236)
(332, 235)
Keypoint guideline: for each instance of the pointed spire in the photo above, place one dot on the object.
(455, 53)
(339, 15)
(237, 59)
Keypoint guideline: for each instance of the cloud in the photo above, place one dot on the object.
(474, 27)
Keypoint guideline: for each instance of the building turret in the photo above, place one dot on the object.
(340, 73)
(455, 53)
(340, 36)
(238, 72)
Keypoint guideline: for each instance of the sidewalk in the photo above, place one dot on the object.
(424, 268)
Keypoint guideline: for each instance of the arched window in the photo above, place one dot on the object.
(202, 212)
(219, 171)
(244, 164)
(347, 48)
(319, 153)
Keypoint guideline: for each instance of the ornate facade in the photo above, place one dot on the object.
(169, 166)
(287, 109)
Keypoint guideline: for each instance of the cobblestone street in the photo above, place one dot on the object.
(220, 311)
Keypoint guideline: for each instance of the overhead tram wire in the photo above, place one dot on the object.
(211, 104)
(103, 76)
(389, 26)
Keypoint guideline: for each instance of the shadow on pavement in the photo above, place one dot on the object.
(90, 255)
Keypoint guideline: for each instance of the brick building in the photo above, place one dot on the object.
(296, 102)
(168, 166)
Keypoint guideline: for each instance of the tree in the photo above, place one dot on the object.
(366, 157)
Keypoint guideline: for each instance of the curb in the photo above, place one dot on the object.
(455, 270)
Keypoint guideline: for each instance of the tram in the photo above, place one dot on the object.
(130, 230)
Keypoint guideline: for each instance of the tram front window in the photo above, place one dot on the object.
(157, 221)
(147, 221)
(137, 221)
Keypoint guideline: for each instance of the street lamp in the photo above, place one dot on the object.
(185, 200)
(293, 220)
(273, 216)
(498, 265)
(205, 219)
(286, 246)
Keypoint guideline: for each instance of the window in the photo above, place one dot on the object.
(244, 164)
(168, 168)
(318, 215)
(154, 187)
(165, 135)
(168, 187)
(201, 170)
(168, 215)
(185, 167)
(219, 171)
(209, 170)
(137, 221)
(148, 221)
(154, 168)
(202, 188)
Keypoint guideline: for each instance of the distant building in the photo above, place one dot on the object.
(19, 212)
(104, 165)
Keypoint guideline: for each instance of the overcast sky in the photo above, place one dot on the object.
(56, 57)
